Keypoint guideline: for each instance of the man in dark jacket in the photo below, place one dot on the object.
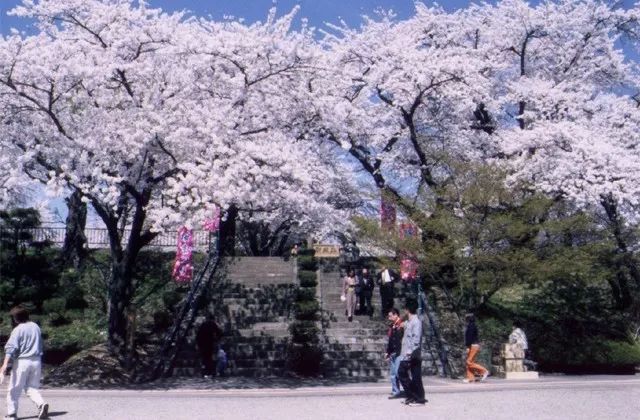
(394, 349)
(366, 292)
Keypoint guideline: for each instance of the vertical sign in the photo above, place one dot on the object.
(183, 266)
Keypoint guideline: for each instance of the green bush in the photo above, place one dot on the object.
(54, 305)
(309, 283)
(619, 353)
(307, 263)
(310, 252)
(573, 327)
(78, 334)
(306, 294)
(303, 332)
(307, 310)
(304, 355)
(307, 276)
(71, 290)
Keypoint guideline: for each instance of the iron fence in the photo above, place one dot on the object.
(99, 237)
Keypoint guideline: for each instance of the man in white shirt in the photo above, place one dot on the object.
(387, 290)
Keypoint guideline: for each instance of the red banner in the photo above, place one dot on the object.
(183, 266)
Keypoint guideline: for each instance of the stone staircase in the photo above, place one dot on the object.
(354, 349)
(253, 306)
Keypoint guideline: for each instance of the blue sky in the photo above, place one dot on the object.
(317, 11)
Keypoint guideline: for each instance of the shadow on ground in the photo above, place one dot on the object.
(222, 383)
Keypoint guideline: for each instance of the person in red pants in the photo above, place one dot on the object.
(472, 343)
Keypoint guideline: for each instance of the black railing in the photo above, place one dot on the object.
(99, 238)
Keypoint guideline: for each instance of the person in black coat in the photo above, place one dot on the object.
(367, 286)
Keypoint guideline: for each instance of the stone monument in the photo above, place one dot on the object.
(512, 363)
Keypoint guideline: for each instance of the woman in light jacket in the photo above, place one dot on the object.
(349, 292)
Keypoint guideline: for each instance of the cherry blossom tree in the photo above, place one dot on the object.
(542, 89)
(154, 117)
(544, 93)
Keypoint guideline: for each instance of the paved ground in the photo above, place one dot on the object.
(565, 398)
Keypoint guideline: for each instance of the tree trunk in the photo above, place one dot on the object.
(120, 294)
(73, 250)
(628, 273)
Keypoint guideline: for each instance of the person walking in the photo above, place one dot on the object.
(472, 343)
(24, 350)
(410, 370)
(394, 351)
(349, 292)
(387, 290)
(366, 292)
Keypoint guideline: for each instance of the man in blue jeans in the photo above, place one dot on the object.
(410, 371)
(394, 348)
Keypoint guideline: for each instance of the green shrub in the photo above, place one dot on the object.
(308, 283)
(620, 353)
(71, 290)
(306, 294)
(310, 252)
(54, 305)
(77, 334)
(303, 332)
(574, 328)
(307, 310)
(304, 355)
(307, 276)
(307, 263)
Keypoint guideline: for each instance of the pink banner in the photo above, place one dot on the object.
(183, 267)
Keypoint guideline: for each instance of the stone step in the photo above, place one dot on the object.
(356, 331)
(357, 373)
(357, 347)
(372, 356)
(250, 332)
